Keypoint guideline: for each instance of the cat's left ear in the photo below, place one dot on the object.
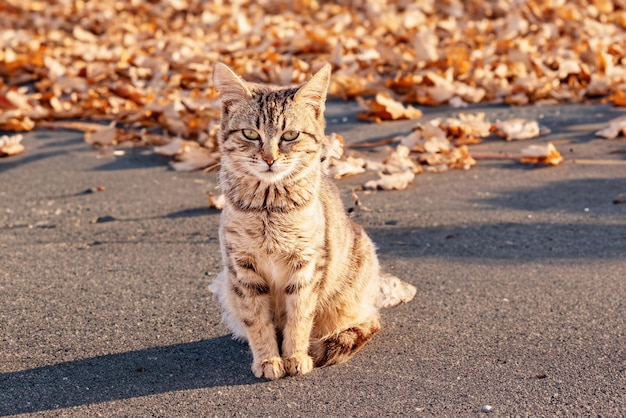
(314, 91)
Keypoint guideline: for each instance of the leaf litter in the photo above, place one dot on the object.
(11, 145)
(146, 67)
(439, 145)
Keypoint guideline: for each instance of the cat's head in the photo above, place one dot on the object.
(269, 132)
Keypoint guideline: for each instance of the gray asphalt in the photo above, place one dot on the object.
(521, 277)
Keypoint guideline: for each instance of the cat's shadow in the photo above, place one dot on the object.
(218, 361)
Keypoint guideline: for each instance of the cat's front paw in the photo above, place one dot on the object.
(298, 364)
(272, 368)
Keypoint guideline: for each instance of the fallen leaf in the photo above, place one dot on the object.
(15, 120)
(460, 158)
(11, 145)
(395, 181)
(616, 128)
(174, 147)
(618, 98)
(382, 107)
(332, 150)
(428, 137)
(541, 154)
(466, 129)
(103, 137)
(349, 166)
(398, 161)
(216, 202)
(517, 129)
(192, 156)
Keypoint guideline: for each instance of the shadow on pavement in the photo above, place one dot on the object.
(42, 145)
(218, 361)
(134, 158)
(505, 241)
(597, 232)
(21, 160)
(192, 212)
(595, 194)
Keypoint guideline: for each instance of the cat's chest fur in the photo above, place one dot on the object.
(275, 241)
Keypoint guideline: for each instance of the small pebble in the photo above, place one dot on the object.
(486, 408)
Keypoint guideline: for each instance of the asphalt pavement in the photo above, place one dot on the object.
(521, 276)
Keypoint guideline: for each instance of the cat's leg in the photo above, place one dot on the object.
(252, 303)
(342, 346)
(300, 301)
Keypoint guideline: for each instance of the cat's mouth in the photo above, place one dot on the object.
(272, 173)
(267, 168)
(271, 166)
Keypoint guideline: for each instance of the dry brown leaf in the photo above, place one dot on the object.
(15, 120)
(189, 155)
(467, 129)
(428, 137)
(194, 157)
(456, 158)
(395, 181)
(332, 153)
(11, 145)
(103, 137)
(431, 142)
(460, 158)
(174, 147)
(333, 148)
(616, 128)
(618, 98)
(216, 202)
(349, 166)
(517, 129)
(382, 107)
(398, 161)
(541, 154)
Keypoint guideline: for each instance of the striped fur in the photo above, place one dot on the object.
(301, 280)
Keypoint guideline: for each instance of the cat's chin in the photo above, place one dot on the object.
(272, 176)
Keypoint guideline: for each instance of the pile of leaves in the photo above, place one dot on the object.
(146, 65)
(439, 145)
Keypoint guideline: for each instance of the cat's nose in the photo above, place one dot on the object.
(269, 153)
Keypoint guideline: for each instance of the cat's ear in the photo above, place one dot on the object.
(229, 84)
(314, 91)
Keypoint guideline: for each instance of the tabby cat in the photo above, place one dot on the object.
(301, 281)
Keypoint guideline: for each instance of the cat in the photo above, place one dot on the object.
(301, 280)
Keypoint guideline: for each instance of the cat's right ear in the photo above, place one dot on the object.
(313, 92)
(230, 85)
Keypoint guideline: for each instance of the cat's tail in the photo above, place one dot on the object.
(341, 347)
(393, 291)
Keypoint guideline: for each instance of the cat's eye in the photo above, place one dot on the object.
(250, 134)
(290, 135)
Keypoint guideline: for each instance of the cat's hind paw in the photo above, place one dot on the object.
(272, 368)
(298, 364)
